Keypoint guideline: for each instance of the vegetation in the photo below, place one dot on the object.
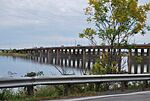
(115, 21)
(12, 53)
(101, 66)
(33, 74)
(60, 91)
(56, 92)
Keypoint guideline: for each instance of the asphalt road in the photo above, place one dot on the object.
(137, 96)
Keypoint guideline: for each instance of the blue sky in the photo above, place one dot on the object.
(36, 23)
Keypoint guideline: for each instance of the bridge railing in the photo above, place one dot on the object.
(30, 82)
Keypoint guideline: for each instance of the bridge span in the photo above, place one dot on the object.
(86, 56)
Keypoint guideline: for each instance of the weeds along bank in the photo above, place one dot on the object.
(67, 91)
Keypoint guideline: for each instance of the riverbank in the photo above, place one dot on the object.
(53, 92)
(13, 54)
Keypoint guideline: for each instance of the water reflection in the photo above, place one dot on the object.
(17, 66)
(73, 64)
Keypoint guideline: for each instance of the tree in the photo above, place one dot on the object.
(114, 22)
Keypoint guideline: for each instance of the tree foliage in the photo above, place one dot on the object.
(33, 74)
(102, 67)
(115, 20)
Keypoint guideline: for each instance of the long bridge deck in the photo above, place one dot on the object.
(86, 56)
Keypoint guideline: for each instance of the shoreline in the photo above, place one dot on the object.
(13, 54)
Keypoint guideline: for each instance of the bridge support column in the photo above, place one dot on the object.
(55, 61)
(48, 56)
(129, 61)
(66, 62)
(148, 68)
(98, 51)
(57, 55)
(61, 62)
(69, 63)
(136, 52)
(135, 68)
(73, 63)
(119, 60)
(78, 63)
(142, 68)
(74, 51)
(78, 51)
(148, 52)
(94, 52)
(89, 65)
(41, 55)
(142, 52)
(84, 58)
(89, 52)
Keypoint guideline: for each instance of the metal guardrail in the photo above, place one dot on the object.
(33, 81)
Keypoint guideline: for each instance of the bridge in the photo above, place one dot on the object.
(85, 56)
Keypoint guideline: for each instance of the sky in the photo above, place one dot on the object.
(46, 23)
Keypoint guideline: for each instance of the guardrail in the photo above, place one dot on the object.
(29, 82)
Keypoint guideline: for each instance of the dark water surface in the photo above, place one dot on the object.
(17, 67)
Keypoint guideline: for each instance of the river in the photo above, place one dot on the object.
(18, 67)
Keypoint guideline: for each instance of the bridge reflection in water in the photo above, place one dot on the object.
(84, 57)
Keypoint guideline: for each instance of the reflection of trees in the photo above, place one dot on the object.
(64, 71)
(61, 69)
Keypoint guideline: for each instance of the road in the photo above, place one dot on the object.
(137, 96)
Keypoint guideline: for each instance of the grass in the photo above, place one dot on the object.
(57, 92)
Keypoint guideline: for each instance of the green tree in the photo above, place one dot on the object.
(114, 22)
(33, 74)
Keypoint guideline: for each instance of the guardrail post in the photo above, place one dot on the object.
(146, 84)
(66, 89)
(97, 87)
(30, 90)
(124, 85)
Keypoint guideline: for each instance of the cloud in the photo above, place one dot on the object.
(43, 41)
(38, 12)
(41, 12)
(29, 23)
(25, 23)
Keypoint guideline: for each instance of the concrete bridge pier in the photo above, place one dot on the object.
(84, 58)
(74, 62)
(142, 68)
(148, 52)
(61, 62)
(78, 63)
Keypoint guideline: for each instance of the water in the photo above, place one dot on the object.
(18, 67)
